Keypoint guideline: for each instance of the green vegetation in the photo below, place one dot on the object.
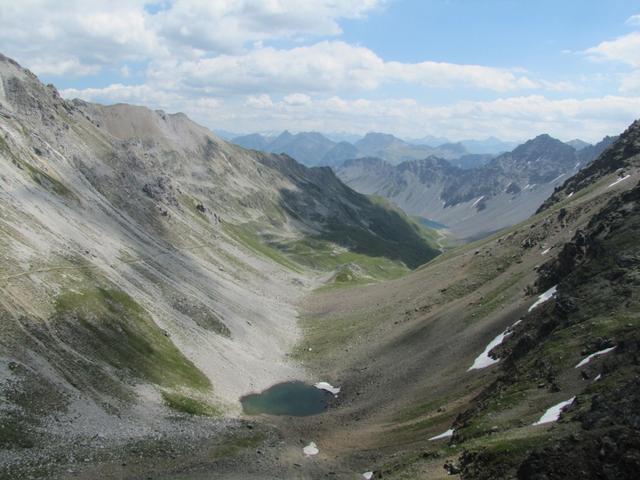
(327, 256)
(201, 315)
(3, 145)
(109, 325)
(330, 334)
(234, 444)
(501, 456)
(14, 433)
(388, 247)
(185, 404)
(191, 205)
(497, 296)
(47, 181)
(249, 237)
(40, 177)
(387, 240)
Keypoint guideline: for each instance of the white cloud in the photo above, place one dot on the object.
(297, 99)
(514, 118)
(118, 93)
(99, 33)
(69, 66)
(259, 102)
(226, 26)
(634, 20)
(630, 83)
(216, 61)
(328, 66)
(80, 36)
(624, 49)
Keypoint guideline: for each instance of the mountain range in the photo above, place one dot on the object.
(476, 201)
(313, 148)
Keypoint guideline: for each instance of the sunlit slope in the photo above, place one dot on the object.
(147, 262)
(402, 350)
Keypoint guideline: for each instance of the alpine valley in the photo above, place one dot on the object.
(154, 275)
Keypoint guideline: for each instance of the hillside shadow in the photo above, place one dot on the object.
(355, 222)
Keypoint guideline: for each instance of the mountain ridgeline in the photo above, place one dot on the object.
(476, 201)
(313, 148)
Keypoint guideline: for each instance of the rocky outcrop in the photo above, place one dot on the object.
(617, 156)
(597, 274)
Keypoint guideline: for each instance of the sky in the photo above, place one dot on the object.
(461, 69)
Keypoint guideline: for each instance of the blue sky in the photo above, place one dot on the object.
(455, 68)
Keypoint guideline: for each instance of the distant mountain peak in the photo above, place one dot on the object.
(578, 144)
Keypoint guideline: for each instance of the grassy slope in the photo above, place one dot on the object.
(355, 255)
(108, 325)
(401, 349)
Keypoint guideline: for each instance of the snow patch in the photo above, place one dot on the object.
(552, 414)
(619, 180)
(311, 449)
(570, 194)
(598, 377)
(557, 178)
(484, 360)
(446, 434)
(544, 297)
(476, 202)
(367, 475)
(588, 358)
(544, 252)
(328, 387)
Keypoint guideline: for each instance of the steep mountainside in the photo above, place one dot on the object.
(467, 362)
(478, 201)
(151, 268)
(617, 157)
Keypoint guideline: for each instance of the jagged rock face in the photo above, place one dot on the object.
(537, 161)
(598, 277)
(591, 152)
(615, 155)
(476, 201)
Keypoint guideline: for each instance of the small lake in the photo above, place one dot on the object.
(289, 398)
